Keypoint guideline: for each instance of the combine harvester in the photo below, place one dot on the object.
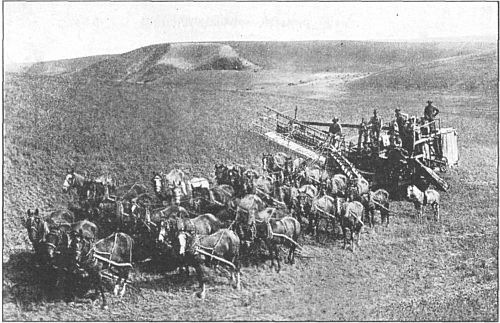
(427, 149)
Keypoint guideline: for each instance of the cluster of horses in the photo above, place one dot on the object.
(194, 223)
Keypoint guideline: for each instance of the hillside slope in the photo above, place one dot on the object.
(63, 66)
(350, 56)
(471, 73)
(148, 63)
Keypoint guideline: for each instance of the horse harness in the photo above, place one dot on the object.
(212, 250)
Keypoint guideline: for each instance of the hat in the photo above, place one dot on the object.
(335, 119)
(397, 110)
(429, 101)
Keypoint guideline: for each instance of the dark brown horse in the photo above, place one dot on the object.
(76, 181)
(40, 228)
(303, 202)
(89, 259)
(222, 175)
(204, 224)
(285, 231)
(222, 247)
(378, 200)
(212, 199)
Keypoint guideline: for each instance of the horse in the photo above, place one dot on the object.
(37, 229)
(421, 199)
(323, 207)
(170, 188)
(351, 219)
(204, 224)
(357, 188)
(76, 181)
(89, 259)
(265, 188)
(310, 175)
(337, 185)
(279, 232)
(298, 164)
(57, 239)
(303, 202)
(244, 220)
(222, 175)
(378, 200)
(236, 180)
(100, 188)
(248, 178)
(212, 199)
(223, 244)
(278, 166)
(168, 212)
(108, 183)
(271, 213)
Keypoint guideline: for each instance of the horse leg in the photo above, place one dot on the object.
(117, 286)
(101, 291)
(270, 248)
(436, 212)
(291, 255)
(344, 233)
(353, 246)
(237, 271)
(277, 253)
(124, 282)
(201, 280)
(358, 238)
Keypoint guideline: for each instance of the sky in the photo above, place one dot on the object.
(44, 31)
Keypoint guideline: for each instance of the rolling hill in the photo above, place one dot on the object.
(472, 72)
(148, 63)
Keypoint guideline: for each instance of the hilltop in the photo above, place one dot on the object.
(148, 63)
(152, 62)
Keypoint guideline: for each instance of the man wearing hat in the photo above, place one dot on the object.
(375, 126)
(335, 131)
(430, 112)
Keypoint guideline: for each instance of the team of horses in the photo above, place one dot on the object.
(199, 224)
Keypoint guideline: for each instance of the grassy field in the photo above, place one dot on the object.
(446, 271)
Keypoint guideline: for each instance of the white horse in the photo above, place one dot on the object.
(421, 199)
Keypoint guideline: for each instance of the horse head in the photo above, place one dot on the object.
(182, 240)
(157, 182)
(267, 162)
(288, 168)
(245, 219)
(414, 193)
(53, 240)
(69, 181)
(177, 193)
(221, 174)
(80, 248)
(164, 231)
(37, 227)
